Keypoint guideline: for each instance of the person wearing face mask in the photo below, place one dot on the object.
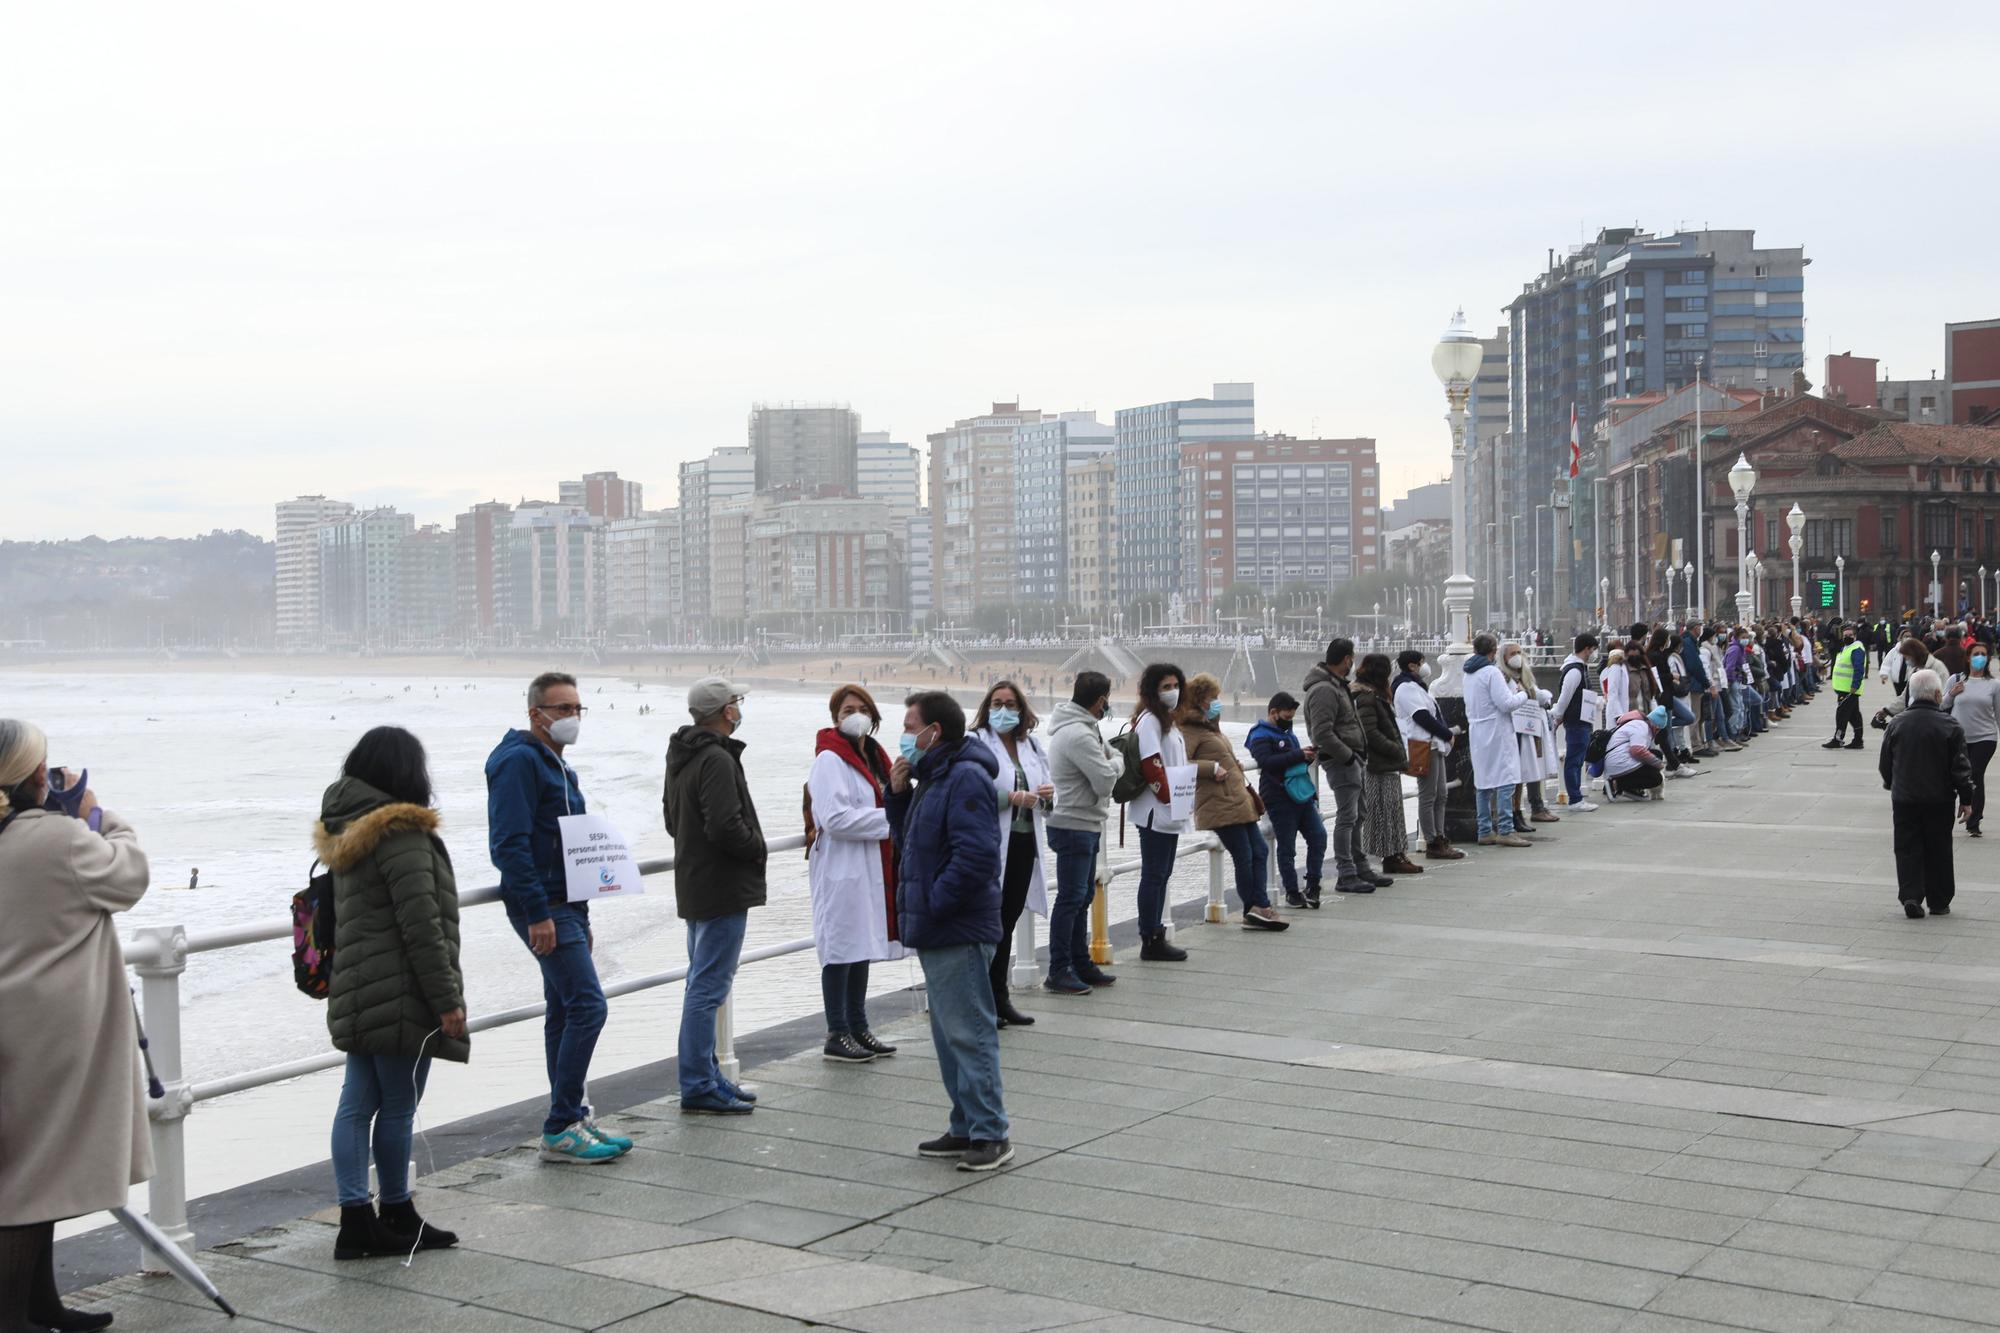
(1974, 699)
(1005, 724)
(719, 857)
(1492, 700)
(73, 1129)
(1849, 668)
(1160, 748)
(1335, 729)
(1083, 769)
(1418, 719)
(851, 871)
(1382, 830)
(1576, 708)
(1536, 740)
(528, 788)
(1632, 762)
(1290, 792)
(1223, 802)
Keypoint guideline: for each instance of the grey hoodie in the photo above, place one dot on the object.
(1082, 767)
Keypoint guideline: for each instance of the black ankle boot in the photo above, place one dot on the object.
(1010, 1017)
(362, 1235)
(401, 1219)
(1155, 949)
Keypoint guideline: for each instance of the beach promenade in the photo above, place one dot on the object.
(1681, 1065)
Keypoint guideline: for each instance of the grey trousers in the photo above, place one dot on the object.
(1345, 780)
(1432, 790)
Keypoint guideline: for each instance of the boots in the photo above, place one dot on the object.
(1003, 1006)
(1155, 949)
(401, 1219)
(362, 1235)
(1437, 849)
(1401, 864)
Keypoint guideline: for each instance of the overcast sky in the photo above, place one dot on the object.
(426, 254)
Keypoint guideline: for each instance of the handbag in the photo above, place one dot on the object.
(1420, 759)
(1299, 784)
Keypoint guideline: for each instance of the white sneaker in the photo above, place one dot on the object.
(1584, 807)
(1679, 773)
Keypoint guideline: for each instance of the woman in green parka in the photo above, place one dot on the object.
(396, 998)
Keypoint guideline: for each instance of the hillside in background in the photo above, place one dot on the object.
(136, 592)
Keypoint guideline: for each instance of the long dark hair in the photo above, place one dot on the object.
(1028, 718)
(1374, 672)
(1149, 692)
(392, 761)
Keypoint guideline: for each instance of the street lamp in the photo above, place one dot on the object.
(1982, 592)
(1840, 573)
(1796, 521)
(1669, 571)
(1694, 605)
(1742, 481)
(1456, 360)
(1375, 628)
(1529, 628)
(1934, 584)
(1604, 604)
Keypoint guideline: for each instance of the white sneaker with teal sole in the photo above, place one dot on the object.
(577, 1145)
(597, 1131)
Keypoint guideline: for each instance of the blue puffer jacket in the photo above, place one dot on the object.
(1697, 674)
(1275, 750)
(527, 790)
(948, 849)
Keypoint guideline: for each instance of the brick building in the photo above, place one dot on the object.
(1277, 511)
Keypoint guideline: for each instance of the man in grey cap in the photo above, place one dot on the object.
(719, 857)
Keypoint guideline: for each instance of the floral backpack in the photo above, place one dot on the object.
(312, 934)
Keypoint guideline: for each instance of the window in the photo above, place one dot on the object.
(1760, 348)
(1771, 533)
(1965, 479)
(1763, 270)
(1937, 478)
(1841, 536)
(1696, 303)
(1827, 466)
(1694, 330)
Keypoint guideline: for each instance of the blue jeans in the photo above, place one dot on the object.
(1156, 867)
(1076, 885)
(1716, 709)
(1245, 845)
(1496, 810)
(713, 948)
(844, 989)
(1576, 740)
(576, 1012)
(1289, 818)
(965, 1032)
(383, 1089)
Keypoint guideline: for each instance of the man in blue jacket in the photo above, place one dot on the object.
(1698, 683)
(948, 910)
(528, 788)
(1277, 752)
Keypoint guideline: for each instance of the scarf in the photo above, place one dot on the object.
(875, 768)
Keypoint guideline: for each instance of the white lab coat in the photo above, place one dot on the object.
(1491, 703)
(1035, 764)
(1615, 685)
(849, 903)
(1536, 767)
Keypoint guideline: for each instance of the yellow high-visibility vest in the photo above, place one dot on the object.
(1850, 666)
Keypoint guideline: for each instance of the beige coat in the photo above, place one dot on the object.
(73, 1134)
(1218, 802)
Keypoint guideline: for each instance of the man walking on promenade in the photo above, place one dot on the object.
(1924, 765)
(948, 910)
(529, 788)
(1083, 769)
(719, 857)
(1335, 731)
(1850, 664)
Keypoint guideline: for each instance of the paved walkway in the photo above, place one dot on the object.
(1683, 1065)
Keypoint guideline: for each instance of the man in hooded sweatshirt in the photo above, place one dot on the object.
(719, 857)
(1084, 770)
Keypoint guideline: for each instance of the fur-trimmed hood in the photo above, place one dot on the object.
(355, 817)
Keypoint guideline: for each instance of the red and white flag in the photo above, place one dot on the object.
(1575, 445)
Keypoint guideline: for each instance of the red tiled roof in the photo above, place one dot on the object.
(1920, 443)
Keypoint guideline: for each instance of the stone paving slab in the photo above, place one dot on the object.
(1678, 1066)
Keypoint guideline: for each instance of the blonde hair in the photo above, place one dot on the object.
(23, 749)
(1202, 689)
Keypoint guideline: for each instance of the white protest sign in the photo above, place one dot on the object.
(1180, 788)
(596, 861)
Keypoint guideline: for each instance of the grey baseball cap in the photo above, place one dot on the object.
(711, 694)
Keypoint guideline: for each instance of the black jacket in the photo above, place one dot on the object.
(1923, 757)
(719, 850)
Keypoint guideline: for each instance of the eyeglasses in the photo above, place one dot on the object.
(562, 710)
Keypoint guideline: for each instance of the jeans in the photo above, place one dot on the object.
(1345, 779)
(1289, 819)
(383, 1089)
(843, 987)
(1076, 885)
(1923, 852)
(965, 1032)
(713, 948)
(1245, 845)
(1576, 740)
(1156, 866)
(576, 1012)
(1495, 805)
(1716, 709)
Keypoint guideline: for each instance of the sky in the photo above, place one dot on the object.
(426, 255)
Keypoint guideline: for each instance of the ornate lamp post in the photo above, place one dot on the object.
(1982, 592)
(1456, 360)
(1530, 626)
(1840, 573)
(1604, 604)
(1742, 481)
(1935, 590)
(1796, 521)
(1670, 572)
(1694, 602)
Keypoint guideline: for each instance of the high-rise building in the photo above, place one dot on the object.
(642, 577)
(917, 554)
(890, 472)
(1276, 511)
(972, 510)
(1090, 532)
(604, 495)
(479, 551)
(361, 578)
(1149, 443)
(298, 576)
(727, 559)
(554, 577)
(823, 566)
(704, 483)
(1972, 365)
(429, 578)
(1044, 451)
(803, 446)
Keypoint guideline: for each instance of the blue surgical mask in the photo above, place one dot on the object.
(1215, 710)
(908, 743)
(1979, 663)
(1003, 720)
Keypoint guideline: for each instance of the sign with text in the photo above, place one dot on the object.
(597, 863)
(1180, 786)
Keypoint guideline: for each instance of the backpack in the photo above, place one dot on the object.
(1132, 775)
(1300, 784)
(1599, 747)
(312, 934)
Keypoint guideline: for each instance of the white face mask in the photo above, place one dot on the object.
(854, 726)
(563, 731)
(1425, 670)
(1171, 698)
(1513, 661)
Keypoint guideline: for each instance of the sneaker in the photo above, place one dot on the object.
(1708, 751)
(945, 1145)
(1354, 886)
(1914, 911)
(842, 1049)
(1155, 949)
(1855, 744)
(867, 1039)
(987, 1156)
(1065, 983)
(741, 1093)
(1512, 840)
(1312, 897)
(596, 1131)
(577, 1145)
(1833, 744)
(1583, 807)
(1294, 899)
(1263, 918)
(1377, 878)
(1679, 773)
(716, 1103)
(1090, 974)
(1545, 817)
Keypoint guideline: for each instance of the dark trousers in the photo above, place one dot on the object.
(1014, 881)
(1076, 887)
(1289, 819)
(1245, 845)
(843, 987)
(1847, 713)
(1981, 754)
(1156, 867)
(1923, 852)
(1643, 778)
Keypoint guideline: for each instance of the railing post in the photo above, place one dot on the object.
(1269, 833)
(160, 986)
(725, 1039)
(1100, 907)
(1216, 914)
(1025, 971)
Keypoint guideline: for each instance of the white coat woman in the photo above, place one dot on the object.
(1492, 700)
(851, 871)
(1536, 739)
(1615, 687)
(1024, 792)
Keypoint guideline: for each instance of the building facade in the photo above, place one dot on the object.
(1277, 511)
(917, 580)
(705, 483)
(297, 585)
(604, 495)
(1149, 441)
(553, 584)
(890, 472)
(1091, 532)
(1972, 366)
(642, 577)
(810, 447)
(430, 585)
(479, 553)
(972, 509)
(823, 567)
(361, 586)
(1044, 453)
